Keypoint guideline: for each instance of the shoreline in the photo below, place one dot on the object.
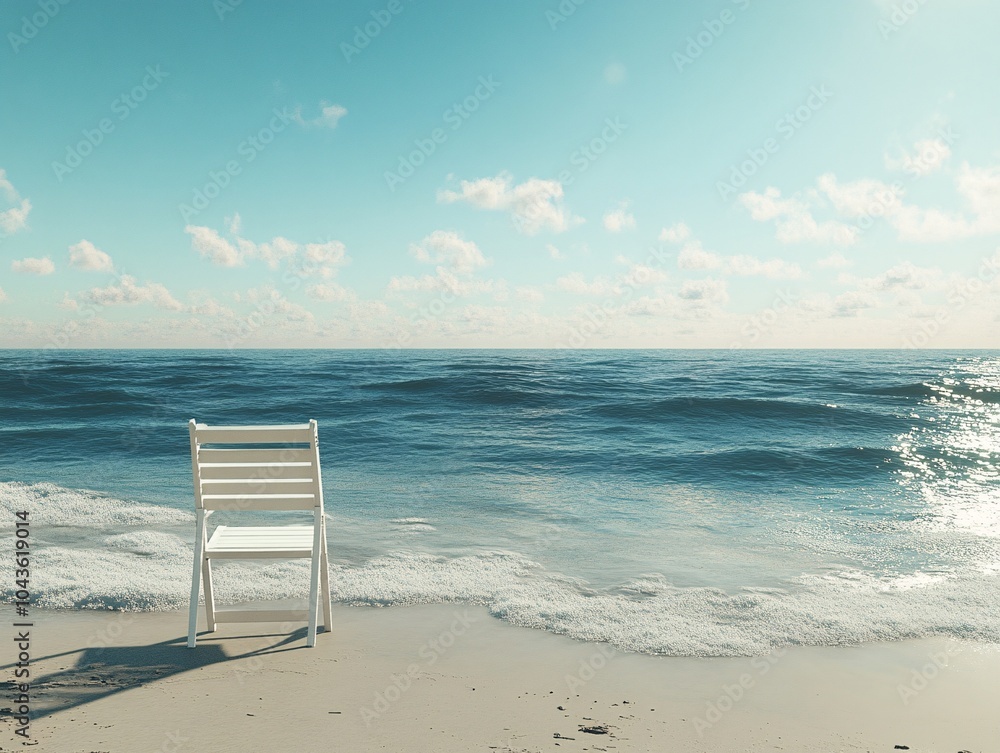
(452, 678)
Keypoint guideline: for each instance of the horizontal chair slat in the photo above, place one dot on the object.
(238, 502)
(256, 470)
(253, 434)
(258, 554)
(261, 615)
(257, 486)
(279, 455)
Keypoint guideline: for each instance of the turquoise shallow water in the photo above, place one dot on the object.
(678, 502)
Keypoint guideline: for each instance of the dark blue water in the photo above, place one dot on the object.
(670, 501)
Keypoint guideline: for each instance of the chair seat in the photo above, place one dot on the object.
(251, 542)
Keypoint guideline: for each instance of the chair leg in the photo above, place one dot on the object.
(314, 579)
(199, 554)
(209, 595)
(324, 573)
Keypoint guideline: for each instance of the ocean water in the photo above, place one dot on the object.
(670, 502)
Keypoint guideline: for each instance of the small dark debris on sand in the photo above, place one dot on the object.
(900, 747)
(597, 729)
(557, 736)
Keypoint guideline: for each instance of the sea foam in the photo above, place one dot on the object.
(128, 563)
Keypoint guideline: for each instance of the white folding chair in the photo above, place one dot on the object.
(258, 468)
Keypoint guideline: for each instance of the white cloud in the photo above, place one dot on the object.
(744, 265)
(534, 205)
(576, 284)
(860, 197)
(449, 249)
(211, 307)
(331, 292)
(322, 259)
(7, 187)
(126, 292)
(33, 266)
(3, 295)
(531, 295)
(930, 225)
(554, 252)
(928, 156)
(675, 233)
(84, 255)
(329, 117)
(640, 275)
(210, 244)
(834, 261)
(693, 256)
(275, 307)
(234, 224)
(979, 187)
(903, 276)
(15, 218)
(443, 281)
(330, 114)
(852, 303)
(619, 219)
(457, 260)
(652, 306)
(794, 222)
(272, 253)
(867, 198)
(704, 291)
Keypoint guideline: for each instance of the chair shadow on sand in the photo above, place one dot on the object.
(103, 671)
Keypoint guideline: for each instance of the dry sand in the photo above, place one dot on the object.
(448, 678)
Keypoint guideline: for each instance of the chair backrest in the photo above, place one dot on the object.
(256, 467)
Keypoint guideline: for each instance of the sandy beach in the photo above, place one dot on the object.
(453, 678)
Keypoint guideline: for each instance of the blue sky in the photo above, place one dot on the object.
(519, 174)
